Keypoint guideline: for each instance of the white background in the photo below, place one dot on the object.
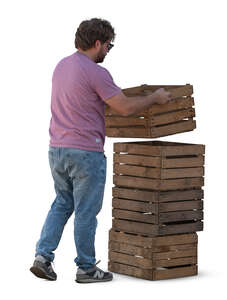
(157, 42)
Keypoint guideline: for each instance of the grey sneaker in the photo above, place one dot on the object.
(42, 268)
(93, 274)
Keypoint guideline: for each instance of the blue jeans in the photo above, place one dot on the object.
(79, 181)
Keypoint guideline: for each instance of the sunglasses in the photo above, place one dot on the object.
(110, 46)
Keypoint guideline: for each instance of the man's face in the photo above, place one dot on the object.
(102, 52)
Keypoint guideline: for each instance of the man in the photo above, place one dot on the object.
(80, 90)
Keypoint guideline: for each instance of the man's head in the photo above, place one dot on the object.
(93, 37)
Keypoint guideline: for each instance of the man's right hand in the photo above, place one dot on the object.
(162, 96)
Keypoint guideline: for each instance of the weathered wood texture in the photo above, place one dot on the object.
(153, 258)
(159, 165)
(157, 213)
(176, 116)
(158, 187)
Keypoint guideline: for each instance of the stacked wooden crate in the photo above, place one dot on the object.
(157, 209)
(153, 258)
(159, 120)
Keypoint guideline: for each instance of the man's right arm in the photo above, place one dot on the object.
(127, 106)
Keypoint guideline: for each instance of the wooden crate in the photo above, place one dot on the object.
(155, 213)
(158, 187)
(173, 117)
(158, 165)
(153, 258)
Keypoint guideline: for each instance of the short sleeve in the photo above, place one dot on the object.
(104, 85)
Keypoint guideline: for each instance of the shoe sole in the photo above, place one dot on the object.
(40, 273)
(93, 280)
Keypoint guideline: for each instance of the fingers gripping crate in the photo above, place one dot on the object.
(173, 117)
(153, 258)
(158, 188)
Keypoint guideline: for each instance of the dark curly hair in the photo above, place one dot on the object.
(89, 31)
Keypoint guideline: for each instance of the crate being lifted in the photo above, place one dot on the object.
(158, 187)
(153, 258)
(176, 116)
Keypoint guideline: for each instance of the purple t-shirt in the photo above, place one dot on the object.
(79, 90)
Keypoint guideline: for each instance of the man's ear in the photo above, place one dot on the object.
(97, 44)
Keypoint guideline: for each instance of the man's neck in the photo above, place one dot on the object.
(87, 53)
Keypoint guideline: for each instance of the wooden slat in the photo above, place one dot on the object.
(134, 216)
(170, 117)
(135, 227)
(175, 254)
(181, 183)
(111, 112)
(134, 194)
(157, 219)
(152, 230)
(152, 196)
(154, 161)
(158, 173)
(137, 171)
(127, 132)
(180, 103)
(141, 160)
(180, 216)
(178, 239)
(156, 243)
(180, 205)
(181, 195)
(140, 149)
(184, 149)
(168, 248)
(175, 262)
(173, 128)
(125, 122)
(137, 247)
(140, 262)
(181, 228)
(130, 249)
(175, 272)
(160, 148)
(169, 129)
(182, 172)
(161, 144)
(131, 239)
(132, 205)
(182, 162)
(156, 184)
(159, 244)
(137, 182)
(155, 274)
(129, 270)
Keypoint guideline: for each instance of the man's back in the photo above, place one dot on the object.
(79, 89)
